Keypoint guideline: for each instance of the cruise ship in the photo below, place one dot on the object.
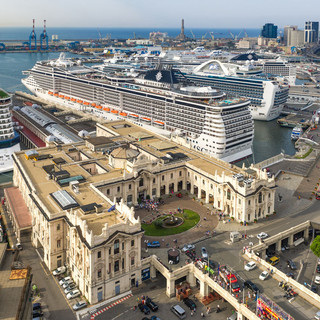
(267, 97)
(9, 139)
(200, 118)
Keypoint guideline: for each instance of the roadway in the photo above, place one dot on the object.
(225, 253)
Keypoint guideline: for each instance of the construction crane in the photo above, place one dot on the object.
(203, 37)
(193, 36)
(212, 35)
(100, 36)
(33, 36)
(245, 33)
(235, 37)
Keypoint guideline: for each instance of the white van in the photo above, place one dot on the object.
(178, 311)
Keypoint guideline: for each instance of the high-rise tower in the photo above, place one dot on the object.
(182, 36)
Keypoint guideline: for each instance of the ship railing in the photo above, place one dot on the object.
(197, 94)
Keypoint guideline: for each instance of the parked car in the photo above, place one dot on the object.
(314, 288)
(69, 288)
(235, 287)
(249, 284)
(188, 247)
(59, 270)
(317, 315)
(79, 305)
(250, 266)
(36, 306)
(290, 275)
(154, 318)
(37, 313)
(318, 268)
(264, 275)
(143, 308)
(204, 253)
(232, 278)
(317, 280)
(152, 305)
(62, 281)
(189, 303)
(19, 246)
(67, 283)
(291, 265)
(153, 244)
(179, 311)
(262, 235)
(73, 294)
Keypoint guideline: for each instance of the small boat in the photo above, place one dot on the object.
(86, 103)
(50, 93)
(106, 109)
(99, 107)
(146, 119)
(61, 96)
(79, 101)
(123, 114)
(297, 132)
(66, 98)
(135, 116)
(159, 123)
(73, 99)
(115, 111)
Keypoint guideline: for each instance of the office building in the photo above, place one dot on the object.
(269, 30)
(311, 32)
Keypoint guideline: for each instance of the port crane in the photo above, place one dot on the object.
(193, 36)
(44, 37)
(204, 36)
(235, 37)
(33, 37)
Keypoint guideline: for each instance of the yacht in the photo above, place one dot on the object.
(9, 138)
(267, 97)
(200, 118)
(297, 132)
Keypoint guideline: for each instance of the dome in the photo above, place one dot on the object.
(124, 153)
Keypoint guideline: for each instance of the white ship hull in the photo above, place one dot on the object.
(6, 162)
(244, 152)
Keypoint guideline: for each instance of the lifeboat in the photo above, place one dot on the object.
(79, 101)
(86, 103)
(61, 96)
(56, 95)
(159, 123)
(135, 116)
(99, 107)
(123, 114)
(50, 92)
(73, 99)
(93, 104)
(66, 98)
(146, 119)
(115, 111)
(106, 109)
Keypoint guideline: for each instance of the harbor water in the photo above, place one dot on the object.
(269, 138)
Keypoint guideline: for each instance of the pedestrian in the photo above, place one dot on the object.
(191, 313)
(202, 314)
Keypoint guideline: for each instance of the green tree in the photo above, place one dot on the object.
(315, 246)
(158, 223)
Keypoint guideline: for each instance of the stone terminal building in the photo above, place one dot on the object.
(81, 199)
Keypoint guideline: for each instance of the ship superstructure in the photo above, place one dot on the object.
(9, 139)
(267, 97)
(201, 118)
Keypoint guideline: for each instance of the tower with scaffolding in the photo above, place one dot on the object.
(33, 37)
(44, 39)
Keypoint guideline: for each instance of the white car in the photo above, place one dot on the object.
(70, 287)
(204, 253)
(250, 266)
(73, 294)
(61, 282)
(59, 270)
(317, 280)
(67, 283)
(264, 275)
(79, 305)
(188, 247)
(262, 235)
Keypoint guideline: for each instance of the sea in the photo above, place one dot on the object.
(269, 138)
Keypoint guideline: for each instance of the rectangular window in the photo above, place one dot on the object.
(154, 180)
(58, 226)
(130, 186)
(109, 250)
(180, 173)
(122, 245)
(132, 243)
(249, 202)
(118, 189)
(58, 243)
(132, 261)
(122, 264)
(162, 178)
(116, 266)
(99, 273)
(99, 254)
(116, 247)
(108, 191)
(171, 175)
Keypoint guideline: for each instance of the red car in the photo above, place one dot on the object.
(235, 287)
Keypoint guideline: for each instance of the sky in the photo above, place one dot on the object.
(160, 13)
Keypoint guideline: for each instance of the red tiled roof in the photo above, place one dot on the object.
(18, 207)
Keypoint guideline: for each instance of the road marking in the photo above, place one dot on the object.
(39, 254)
(110, 306)
(48, 274)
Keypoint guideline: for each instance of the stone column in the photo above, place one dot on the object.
(175, 186)
(184, 184)
(290, 240)
(240, 316)
(191, 279)
(278, 246)
(170, 292)
(306, 234)
(152, 272)
(203, 289)
(199, 192)
(134, 195)
(207, 196)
